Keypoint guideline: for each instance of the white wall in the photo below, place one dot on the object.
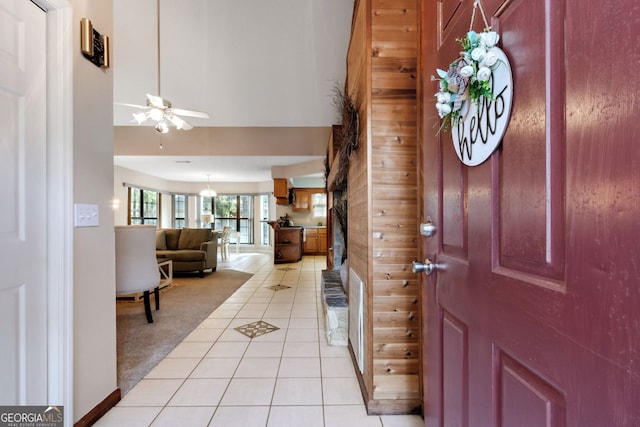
(94, 256)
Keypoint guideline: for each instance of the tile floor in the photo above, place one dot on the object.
(288, 376)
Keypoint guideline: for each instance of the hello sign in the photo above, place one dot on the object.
(480, 128)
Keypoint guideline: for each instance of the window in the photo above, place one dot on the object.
(264, 214)
(206, 211)
(180, 211)
(235, 211)
(319, 204)
(144, 206)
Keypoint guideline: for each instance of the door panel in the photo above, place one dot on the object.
(454, 370)
(532, 316)
(525, 399)
(531, 199)
(23, 308)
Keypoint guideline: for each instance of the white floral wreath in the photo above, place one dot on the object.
(468, 76)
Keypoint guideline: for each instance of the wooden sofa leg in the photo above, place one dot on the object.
(201, 273)
(147, 306)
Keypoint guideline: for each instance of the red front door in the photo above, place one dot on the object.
(533, 316)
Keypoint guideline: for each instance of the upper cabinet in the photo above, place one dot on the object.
(301, 200)
(281, 191)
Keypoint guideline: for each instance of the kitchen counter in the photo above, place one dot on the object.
(288, 244)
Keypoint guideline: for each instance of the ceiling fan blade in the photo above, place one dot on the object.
(156, 102)
(186, 126)
(144, 107)
(190, 113)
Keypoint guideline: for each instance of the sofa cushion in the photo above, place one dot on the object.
(161, 240)
(172, 236)
(191, 238)
(185, 255)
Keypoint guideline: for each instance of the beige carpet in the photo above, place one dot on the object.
(183, 306)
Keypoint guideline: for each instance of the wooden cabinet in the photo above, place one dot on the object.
(288, 245)
(315, 241)
(302, 200)
(281, 191)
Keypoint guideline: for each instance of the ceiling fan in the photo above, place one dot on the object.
(162, 112)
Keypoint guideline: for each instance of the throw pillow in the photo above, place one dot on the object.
(191, 238)
(172, 236)
(161, 240)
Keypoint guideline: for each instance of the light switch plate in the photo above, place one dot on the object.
(86, 215)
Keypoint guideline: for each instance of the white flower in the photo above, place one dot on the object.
(489, 39)
(484, 73)
(443, 97)
(478, 53)
(490, 59)
(466, 71)
(443, 109)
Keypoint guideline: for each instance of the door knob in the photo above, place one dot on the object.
(427, 267)
(428, 228)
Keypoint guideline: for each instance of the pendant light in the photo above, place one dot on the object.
(208, 192)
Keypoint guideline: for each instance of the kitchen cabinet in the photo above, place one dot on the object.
(281, 191)
(302, 200)
(288, 245)
(315, 241)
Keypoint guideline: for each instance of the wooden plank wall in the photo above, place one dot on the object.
(382, 203)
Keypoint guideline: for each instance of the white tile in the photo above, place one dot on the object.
(216, 367)
(233, 335)
(298, 391)
(300, 349)
(151, 393)
(278, 313)
(120, 416)
(338, 367)
(229, 306)
(304, 314)
(240, 416)
(195, 416)
(264, 349)
(296, 416)
(228, 349)
(349, 416)
(258, 367)
(249, 391)
(200, 392)
(214, 323)
(327, 350)
(297, 323)
(251, 313)
(223, 314)
(173, 368)
(299, 367)
(341, 391)
(190, 349)
(302, 335)
(402, 420)
(204, 334)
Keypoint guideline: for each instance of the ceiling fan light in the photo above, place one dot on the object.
(162, 127)
(156, 114)
(139, 117)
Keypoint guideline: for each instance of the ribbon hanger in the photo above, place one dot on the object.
(477, 4)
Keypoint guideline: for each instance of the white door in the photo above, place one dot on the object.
(23, 255)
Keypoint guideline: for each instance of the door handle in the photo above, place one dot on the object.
(428, 228)
(426, 267)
